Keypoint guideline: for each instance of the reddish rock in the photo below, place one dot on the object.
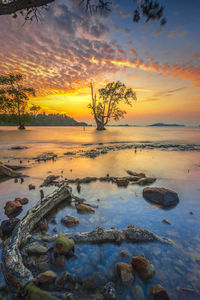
(125, 272)
(124, 181)
(84, 208)
(143, 267)
(23, 201)
(159, 293)
(13, 208)
(7, 226)
(69, 221)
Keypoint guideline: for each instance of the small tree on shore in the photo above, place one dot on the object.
(14, 97)
(106, 107)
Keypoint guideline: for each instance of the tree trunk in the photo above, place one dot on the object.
(100, 126)
(21, 126)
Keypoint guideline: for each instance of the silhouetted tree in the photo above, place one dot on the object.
(31, 9)
(14, 97)
(106, 106)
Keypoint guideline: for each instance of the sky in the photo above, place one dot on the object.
(68, 48)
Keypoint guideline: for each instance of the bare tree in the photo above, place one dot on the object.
(106, 106)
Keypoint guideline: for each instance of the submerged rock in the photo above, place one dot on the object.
(18, 148)
(84, 208)
(60, 262)
(125, 272)
(159, 293)
(43, 225)
(46, 278)
(31, 186)
(35, 293)
(161, 196)
(143, 267)
(13, 208)
(69, 221)
(166, 221)
(63, 245)
(138, 292)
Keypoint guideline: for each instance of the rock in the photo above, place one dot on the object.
(7, 226)
(146, 180)
(18, 148)
(43, 266)
(166, 221)
(43, 225)
(131, 173)
(191, 213)
(6, 172)
(122, 181)
(109, 291)
(138, 292)
(60, 262)
(143, 267)
(69, 221)
(63, 245)
(13, 208)
(125, 253)
(36, 249)
(31, 187)
(41, 194)
(159, 293)
(84, 208)
(125, 272)
(35, 293)
(46, 278)
(161, 196)
(49, 180)
(23, 201)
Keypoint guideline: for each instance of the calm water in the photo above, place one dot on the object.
(177, 266)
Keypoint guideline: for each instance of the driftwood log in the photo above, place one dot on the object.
(7, 172)
(15, 271)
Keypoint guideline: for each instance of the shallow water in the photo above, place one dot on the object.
(177, 266)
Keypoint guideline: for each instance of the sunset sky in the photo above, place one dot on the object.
(67, 49)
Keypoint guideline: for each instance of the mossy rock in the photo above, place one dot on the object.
(63, 245)
(35, 293)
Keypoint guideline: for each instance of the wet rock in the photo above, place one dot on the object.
(87, 179)
(13, 208)
(41, 194)
(63, 245)
(131, 173)
(6, 172)
(46, 156)
(16, 180)
(60, 262)
(7, 226)
(78, 187)
(143, 267)
(35, 293)
(36, 249)
(69, 221)
(31, 186)
(53, 221)
(161, 196)
(125, 273)
(23, 201)
(122, 181)
(191, 213)
(46, 278)
(30, 262)
(43, 266)
(159, 293)
(49, 180)
(166, 221)
(146, 180)
(109, 291)
(138, 292)
(84, 208)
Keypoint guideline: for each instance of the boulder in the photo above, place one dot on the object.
(7, 226)
(84, 208)
(69, 221)
(36, 249)
(159, 293)
(13, 208)
(63, 245)
(46, 278)
(161, 196)
(125, 273)
(143, 267)
(109, 291)
(35, 293)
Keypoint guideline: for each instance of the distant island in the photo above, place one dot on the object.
(165, 125)
(42, 120)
